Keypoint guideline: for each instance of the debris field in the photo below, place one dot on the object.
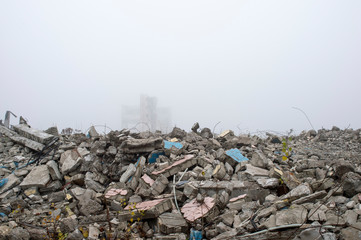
(181, 185)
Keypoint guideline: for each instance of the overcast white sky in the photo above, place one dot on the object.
(244, 63)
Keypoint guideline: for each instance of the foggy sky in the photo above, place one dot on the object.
(244, 63)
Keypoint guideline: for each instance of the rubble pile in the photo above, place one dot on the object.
(181, 185)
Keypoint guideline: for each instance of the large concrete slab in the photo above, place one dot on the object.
(21, 140)
(33, 134)
(38, 177)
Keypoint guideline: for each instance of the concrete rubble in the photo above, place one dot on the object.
(197, 184)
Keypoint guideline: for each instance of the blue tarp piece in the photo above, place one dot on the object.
(154, 156)
(2, 214)
(236, 155)
(169, 145)
(3, 182)
(195, 235)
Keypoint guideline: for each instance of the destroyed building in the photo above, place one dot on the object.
(181, 185)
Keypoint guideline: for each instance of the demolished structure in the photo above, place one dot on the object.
(181, 185)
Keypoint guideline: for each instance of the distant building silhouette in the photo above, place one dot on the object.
(147, 116)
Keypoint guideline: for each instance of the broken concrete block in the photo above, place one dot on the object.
(150, 209)
(172, 223)
(33, 134)
(141, 145)
(91, 184)
(351, 184)
(194, 210)
(8, 183)
(159, 185)
(93, 233)
(311, 197)
(219, 171)
(352, 232)
(294, 215)
(92, 132)
(177, 166)
(298, 192)
(70, 160)
(228, 217)
(206, 133)
(90, 207)
(138, 172)
(259, 160)
(128, 173)
(38, 177)
(195, 127)
(54, 170)
(268, 182)
(255, 171)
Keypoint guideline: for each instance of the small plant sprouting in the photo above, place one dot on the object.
(286, 149)
(51, 224)
(136, 216)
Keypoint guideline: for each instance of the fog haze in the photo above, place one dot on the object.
(243, 63)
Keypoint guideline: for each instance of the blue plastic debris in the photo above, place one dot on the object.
(236, 155)
(195, 235)
(3, 182)
(154, 156)
(2, 214)
(169, 145)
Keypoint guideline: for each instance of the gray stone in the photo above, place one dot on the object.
(350, 204)
(90, 207)
(112, 150)
(229, 168)
(351, 184)
(268, 182)
(294, 215)
(352, 232)
(255, 171)
(172, 223)
(11, 183)
(342, 167)
(310, 198)
(195, 127)
(318, 214)
(221, 227)
(228, 217)
(92, 132)
(54, 170)
(350, 217)
(138, 172)
(68, 225)
(75, 235)
(206, 133)
(128, 173)
(159, 185)
(19, 233)
(259, 159)
(38, 177)
(93, 233)
(219, 171)
(33, 134)
(141, 145)
(177, 133)
(298, 192)
(57, 197)
(310, 234)
(91, 184)
(70, 160)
